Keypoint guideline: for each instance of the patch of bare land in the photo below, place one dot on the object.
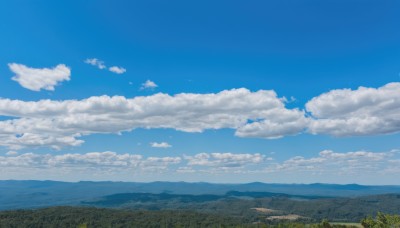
(276, 214)
(265, 210)
(348, 224)
(291, 217)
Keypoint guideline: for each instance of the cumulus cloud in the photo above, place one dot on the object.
(61, 123)
(275, 124)
(36, 79)
(96, 62)
(117, 70)
(364, 111)
(160, 145)
(148, 85)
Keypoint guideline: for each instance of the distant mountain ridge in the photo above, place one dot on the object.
(15, 194)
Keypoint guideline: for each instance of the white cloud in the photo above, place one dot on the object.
(159, 164)
(105, 159)
(149, 85)
(275, 124)
(60, 123)
(185, 169)
(117, 70)
(96, 62)
(333, 162)
(224, 159)
(160, 145)
(94, 160)
(262, 114)
(358, 165)
(136, 163)
(100, 64)
(222, 162)
(36, 79)
(364, 111)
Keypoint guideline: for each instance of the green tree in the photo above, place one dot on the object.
(382, 221)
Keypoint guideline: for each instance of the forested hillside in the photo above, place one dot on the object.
(243, 204)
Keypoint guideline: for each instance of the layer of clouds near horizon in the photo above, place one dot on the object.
(261, 114)
(327, 161)
(36, 79)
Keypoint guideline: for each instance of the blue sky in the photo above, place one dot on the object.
(300, 50)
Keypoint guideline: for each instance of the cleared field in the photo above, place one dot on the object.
(285, 217)
(347, 224)
(265, 210)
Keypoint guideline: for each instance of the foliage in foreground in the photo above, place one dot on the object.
(381, 220)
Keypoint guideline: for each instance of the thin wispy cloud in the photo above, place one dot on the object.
(96, 62)
(101, 65)
(37, 79)
(12, 153)
(345, 163)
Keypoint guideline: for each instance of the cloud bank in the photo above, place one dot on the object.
(61, 123)
(328, 163)
(260, 114)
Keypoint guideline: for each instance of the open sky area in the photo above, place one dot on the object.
(279, 91)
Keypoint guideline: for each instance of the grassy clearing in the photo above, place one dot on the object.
(349, 224)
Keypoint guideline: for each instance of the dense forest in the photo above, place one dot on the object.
(59, 217)
(84, 217)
